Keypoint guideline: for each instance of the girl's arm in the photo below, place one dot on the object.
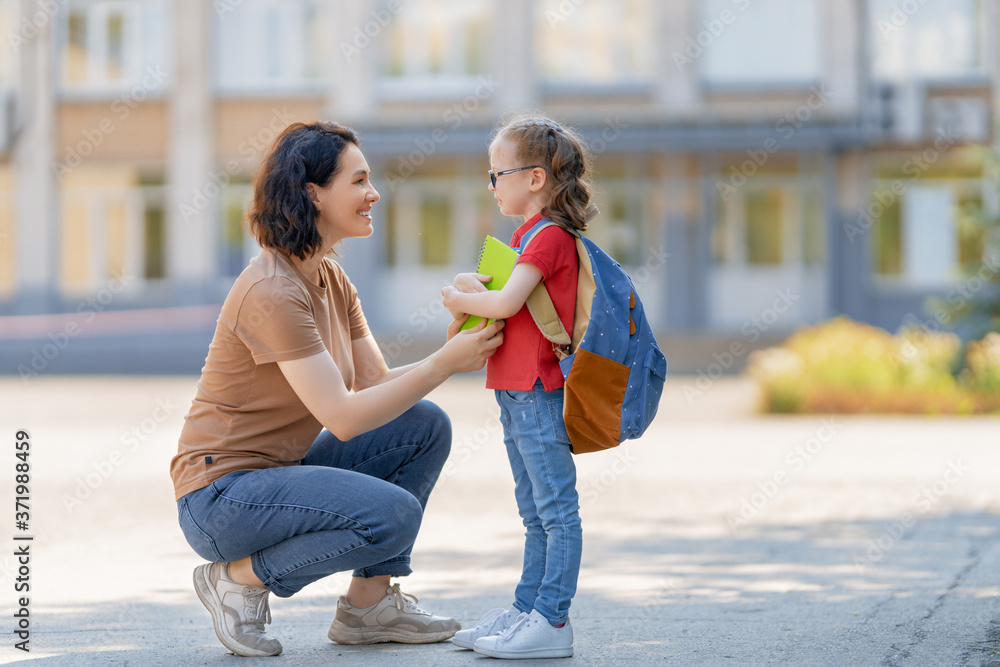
(495, 304)
(319, 384)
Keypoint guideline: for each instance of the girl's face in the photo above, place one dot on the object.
(520, 193)
(345, 204)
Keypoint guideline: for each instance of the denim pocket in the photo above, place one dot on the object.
(515, 396)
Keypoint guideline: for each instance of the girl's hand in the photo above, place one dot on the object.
(450, 296)
(468, 351)
(471, 282)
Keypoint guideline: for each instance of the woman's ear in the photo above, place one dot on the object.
(313, 191)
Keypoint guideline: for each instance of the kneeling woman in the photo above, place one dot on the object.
(264, 492)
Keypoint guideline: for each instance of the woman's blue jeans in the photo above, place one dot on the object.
(353, 505)
(545, 488)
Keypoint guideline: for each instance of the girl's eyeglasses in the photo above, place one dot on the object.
(493, 177)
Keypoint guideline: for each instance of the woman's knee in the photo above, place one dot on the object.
(437, 424)
(403, 515)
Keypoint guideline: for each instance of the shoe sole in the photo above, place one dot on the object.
(210, 598)
(525, 655)
(343, 634)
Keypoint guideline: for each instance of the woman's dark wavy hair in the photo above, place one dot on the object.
(542, 141)
(281, 214)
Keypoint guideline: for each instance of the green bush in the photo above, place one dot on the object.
(845, 366)
(982, 364)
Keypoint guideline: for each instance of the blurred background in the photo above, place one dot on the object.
(760, 165)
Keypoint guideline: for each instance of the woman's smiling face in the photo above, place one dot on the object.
(345, 204)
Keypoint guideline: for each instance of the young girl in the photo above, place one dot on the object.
(538, 169)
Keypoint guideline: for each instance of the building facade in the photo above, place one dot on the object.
(760, 165)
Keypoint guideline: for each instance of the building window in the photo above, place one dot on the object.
(435, 231)
(154, 260)
(927, 40)
(765, 212)
(927, 227)
(110, 46)
(114, 230)
(597, 42)
(236, 246)
(16, 37)
(765, 42)
(927, 235)
(438, 222)
(619, 229)
(772, 222)
(264, 44)
(436, 42)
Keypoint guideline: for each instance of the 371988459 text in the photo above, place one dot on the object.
(22, 540)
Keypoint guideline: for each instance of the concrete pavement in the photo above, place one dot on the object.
(719, 538)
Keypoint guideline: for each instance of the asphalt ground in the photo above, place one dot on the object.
(720, 538)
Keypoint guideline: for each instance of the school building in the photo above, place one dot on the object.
(760, 165)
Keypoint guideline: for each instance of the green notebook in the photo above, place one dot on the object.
(495, 259)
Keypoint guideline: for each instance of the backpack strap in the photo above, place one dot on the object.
(540, 305)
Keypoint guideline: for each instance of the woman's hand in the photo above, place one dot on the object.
(456, 326)
(471, 282)
(468, 351)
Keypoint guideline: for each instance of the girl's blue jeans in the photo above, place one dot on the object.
(353, 505)
(545, 488)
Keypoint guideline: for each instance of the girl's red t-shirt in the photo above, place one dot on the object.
(526, 355)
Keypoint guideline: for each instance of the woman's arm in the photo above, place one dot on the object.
(319, 384)
(370, 368)
(495, 304)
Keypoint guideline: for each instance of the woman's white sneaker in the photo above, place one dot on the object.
(239, 613)
(493, 622)
(531, 636)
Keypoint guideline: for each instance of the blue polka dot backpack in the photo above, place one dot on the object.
(613, 368)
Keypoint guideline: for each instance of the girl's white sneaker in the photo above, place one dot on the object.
(493, 622)
(531, 636)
